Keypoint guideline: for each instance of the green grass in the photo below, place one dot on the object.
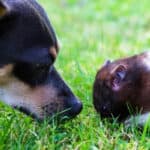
(90, 32)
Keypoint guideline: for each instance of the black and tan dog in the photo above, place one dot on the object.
(28, 49)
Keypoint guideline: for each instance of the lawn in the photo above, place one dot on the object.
(89, 33)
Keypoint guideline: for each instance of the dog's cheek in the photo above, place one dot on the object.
(39, 102)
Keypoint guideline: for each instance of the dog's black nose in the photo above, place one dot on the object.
(75, 108)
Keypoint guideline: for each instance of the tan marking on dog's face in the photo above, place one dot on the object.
(4, 9)
(7, 69)
(41, 101)
(3, 12)
(5, 74)
(53, 52)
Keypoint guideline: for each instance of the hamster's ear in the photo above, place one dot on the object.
(118, 75)
(107, 62)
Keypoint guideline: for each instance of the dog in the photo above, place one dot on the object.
(28, 49)
(121, 89)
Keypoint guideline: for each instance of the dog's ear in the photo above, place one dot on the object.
(4, 8)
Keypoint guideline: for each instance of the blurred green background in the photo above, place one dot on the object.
(89, 33)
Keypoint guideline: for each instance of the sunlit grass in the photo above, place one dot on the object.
(89, 32)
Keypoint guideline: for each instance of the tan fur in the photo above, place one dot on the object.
(53, 52)
(4, 9)
(3, 12)
(5, 74)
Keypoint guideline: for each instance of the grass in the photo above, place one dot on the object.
(90, 32)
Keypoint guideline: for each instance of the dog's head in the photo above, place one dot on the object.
(28, 49)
